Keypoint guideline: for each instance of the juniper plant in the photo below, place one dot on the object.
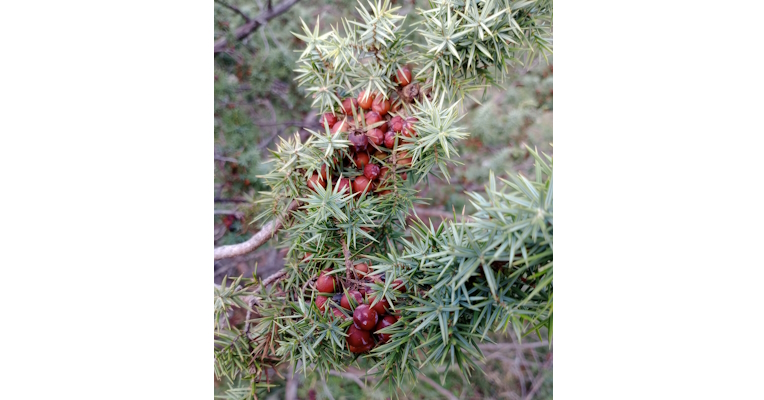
(445, 287)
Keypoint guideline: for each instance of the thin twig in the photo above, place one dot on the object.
(234, 9)
(255, 241)
(350, 376)
(252, 25)
(437, 387)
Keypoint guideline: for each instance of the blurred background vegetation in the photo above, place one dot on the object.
(257, 101)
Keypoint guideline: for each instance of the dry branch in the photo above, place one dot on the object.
(255, 241)
(251, 26)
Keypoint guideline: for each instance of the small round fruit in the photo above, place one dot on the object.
(390, 139)
(326, 283)
(403, 76)
(371, 171)
(361, 159)
(359, 338)
(372, 117)
(385, 192)
(365, 101)
(384, 322)
(365, 317)
(344, 303)
(321, 301)
(360, 184)
(403, 159)
(328, 118)
(337, 313)
(376, 136)
(323, 172)
(361, 267)
(396, 123)
(315, 181)
(348, 105)
(383, 172)
(398, 285)
(381, 105)
(344, 184)
(381, 306)
(341, 126)
(358, 140)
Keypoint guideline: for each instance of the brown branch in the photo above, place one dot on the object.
(234, 9)
(255, 241)
(437, 387)
(251, 26)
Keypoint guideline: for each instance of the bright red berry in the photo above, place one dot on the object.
(381, 306)
(403, 76)
(360, 184)
(376, 136)
(326, 283)
(365, 101)
(371, 171)
(321, 301)
(381, 105)
(341, 126)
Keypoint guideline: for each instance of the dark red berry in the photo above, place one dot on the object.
(323, 172)
(381, 306)
(338, 313)
(326, 283)
(344, 303)
(315, 181)
(358, 140)
(398, 284)
(344, 183)
(361, 159)
(371, 171)
(384, 322)
(360, 339)
(365, 317)
(390, 139)
(328, 118)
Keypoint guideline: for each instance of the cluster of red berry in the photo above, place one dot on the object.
(367, 319)
(378, 122)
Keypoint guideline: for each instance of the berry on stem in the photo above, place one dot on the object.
(361, 159)
(321, 301)
(384, 322)
(381, 105)
(315, 181)
(371, 171)
(344, 183)
(326, 283)
(345, 303)
(376, 136)
(360, 184)
(403, 76)
(390, 139)
(328, 118)
(348, 105)
(358, 140)
(359, 340)
(372, 117)
(365, 101)
(341, 126)
(365, 317)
